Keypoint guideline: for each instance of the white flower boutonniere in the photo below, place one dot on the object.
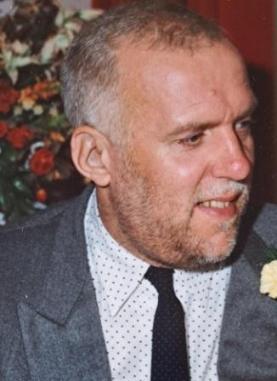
(269, 275)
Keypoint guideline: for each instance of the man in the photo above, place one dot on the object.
(162, 110)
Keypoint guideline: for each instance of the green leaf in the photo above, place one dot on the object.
(271, 254)
(22, 61)
(7, 198)
(57, 122)
(21, 186)
(89, 14)
(47, 51)
(64, 15)
(8, 152)
(25, 206)
(72, 26)
(13, 74)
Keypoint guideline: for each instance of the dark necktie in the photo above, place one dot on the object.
(169, 354)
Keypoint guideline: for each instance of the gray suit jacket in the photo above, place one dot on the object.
(49, 322)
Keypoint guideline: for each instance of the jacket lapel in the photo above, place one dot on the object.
(59, 317)
(248, 343)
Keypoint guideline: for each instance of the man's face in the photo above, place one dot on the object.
(180, 185)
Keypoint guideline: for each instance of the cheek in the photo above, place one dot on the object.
(177, 175)
(183, 173)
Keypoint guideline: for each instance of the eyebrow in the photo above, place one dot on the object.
(191, 126)
(250, 110)
(201, 126)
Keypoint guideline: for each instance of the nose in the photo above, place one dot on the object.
(234, 158)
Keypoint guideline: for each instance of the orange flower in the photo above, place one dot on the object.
(3, 129)
(41, 195)
(8, 96)
(41, 90)
(19, 136)
(27, 93)
(46, 89)
(57, 137)
(42, 162)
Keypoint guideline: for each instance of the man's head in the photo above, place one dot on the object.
(163, 110)
(91, 74)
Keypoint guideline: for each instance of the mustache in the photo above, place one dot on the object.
(228, 187)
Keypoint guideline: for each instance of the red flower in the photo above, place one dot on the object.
(19, 136)
(8, 96)
(3, 129)
(42, 162)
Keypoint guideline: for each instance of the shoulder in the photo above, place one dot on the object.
(26, 248)
(41, 224)
(23, 253)
(23, 237)
(28, 259)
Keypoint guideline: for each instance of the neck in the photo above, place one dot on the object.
(108, 214)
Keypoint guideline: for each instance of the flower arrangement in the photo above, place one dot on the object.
(34, 132)
(269, 275)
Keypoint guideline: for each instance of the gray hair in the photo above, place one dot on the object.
(89, 73)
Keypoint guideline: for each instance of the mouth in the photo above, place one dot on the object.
(224, 206)
(216, 204)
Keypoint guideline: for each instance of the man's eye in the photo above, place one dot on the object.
(245, 125)
(192, 140)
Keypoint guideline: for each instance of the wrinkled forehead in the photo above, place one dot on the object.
(135, 61)
(162, 77)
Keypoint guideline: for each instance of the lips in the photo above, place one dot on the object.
(220, 201)
(220, 206)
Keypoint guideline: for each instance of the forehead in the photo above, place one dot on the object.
(210, 79)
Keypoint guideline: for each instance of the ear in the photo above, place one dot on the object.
(90, 151)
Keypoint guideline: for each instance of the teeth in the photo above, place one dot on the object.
(216, 204)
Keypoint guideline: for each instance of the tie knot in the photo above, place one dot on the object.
(161, 278)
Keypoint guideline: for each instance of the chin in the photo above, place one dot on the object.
(200, 259)
(194, 253)
(213, 254)
(207, 254)
(212, 260)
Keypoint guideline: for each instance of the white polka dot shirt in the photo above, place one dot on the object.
(127, 304)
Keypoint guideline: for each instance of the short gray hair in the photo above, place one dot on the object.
(89, 73)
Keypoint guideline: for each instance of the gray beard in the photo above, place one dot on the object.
(154, 238)
(171, 245)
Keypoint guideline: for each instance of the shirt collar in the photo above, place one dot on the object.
(119, 272)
